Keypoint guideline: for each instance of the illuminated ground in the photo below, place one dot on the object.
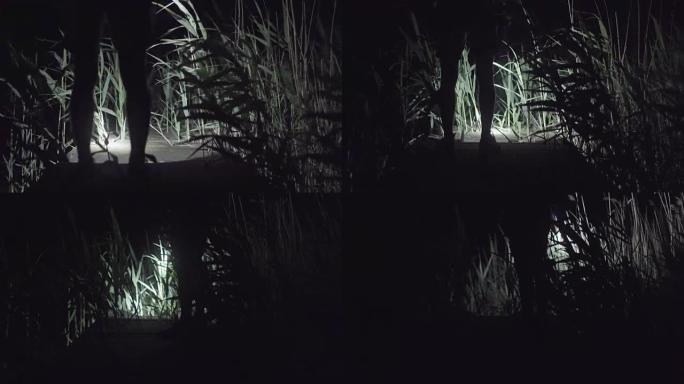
(156, 146)
(502, 135)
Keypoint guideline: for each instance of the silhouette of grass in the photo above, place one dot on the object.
(617, 267)
(271, 93)
(292, 246)
(491, 283)
(619, 106)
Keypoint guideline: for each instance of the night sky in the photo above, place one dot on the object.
(22, 21)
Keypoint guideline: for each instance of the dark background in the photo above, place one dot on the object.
(22, 21)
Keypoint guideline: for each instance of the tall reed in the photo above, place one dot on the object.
(271, 91)
(619, 106)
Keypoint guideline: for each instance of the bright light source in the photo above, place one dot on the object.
(502, 135)
(156, 146)
(119, 148)
(113, 146)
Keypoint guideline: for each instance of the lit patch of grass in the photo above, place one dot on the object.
(57, 290)
(620, 107)
(110, 98)
(613, 266)
(151, 291)
(620, 265)
(491, 283)
(420, 75)
(36, 115)
(170, 119)
(265, 256)
(271, 90)
(265, 90)
(114, 282)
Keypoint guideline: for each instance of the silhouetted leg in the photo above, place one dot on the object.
(524, 270)
(542, 284)
(528, 232)
(485, 82)
(85, 76)
(188, 242)
(137, 108)
(187, 252)
(451, 47)
(130, 31)
(484, 41)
